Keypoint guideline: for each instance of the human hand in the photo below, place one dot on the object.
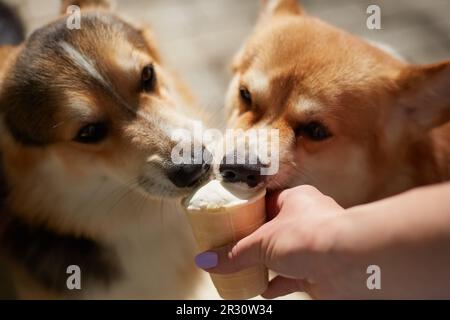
(318, 247)
(296, 243)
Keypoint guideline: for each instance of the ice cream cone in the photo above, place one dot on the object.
(219, 225)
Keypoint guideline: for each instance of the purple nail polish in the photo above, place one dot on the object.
(207, 260)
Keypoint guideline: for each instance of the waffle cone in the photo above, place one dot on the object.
(214, 228)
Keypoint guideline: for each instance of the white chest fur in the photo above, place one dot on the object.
(156, 254)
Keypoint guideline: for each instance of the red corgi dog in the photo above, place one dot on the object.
(353, 121)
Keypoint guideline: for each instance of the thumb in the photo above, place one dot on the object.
(235, 257)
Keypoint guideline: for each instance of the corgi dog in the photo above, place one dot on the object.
(88, 187)
(353, 120)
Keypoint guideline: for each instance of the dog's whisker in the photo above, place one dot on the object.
(303, 174)
(128, 190)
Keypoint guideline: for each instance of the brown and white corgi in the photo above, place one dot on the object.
(86, 117)
(354, 121)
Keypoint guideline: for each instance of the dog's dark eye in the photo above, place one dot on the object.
(148, 78)
(92, 133)
(314, 131)
(246, 96)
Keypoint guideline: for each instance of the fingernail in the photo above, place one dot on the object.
(207, 260)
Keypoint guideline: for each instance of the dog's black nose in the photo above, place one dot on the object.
(247, 173)
(187, 175)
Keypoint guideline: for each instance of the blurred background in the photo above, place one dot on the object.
(198, 38)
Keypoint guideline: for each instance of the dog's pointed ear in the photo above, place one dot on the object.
(281, 7)
(85, 4)
(425, 95)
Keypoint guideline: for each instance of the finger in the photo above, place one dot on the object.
(229, 259)
(272, 206)
(275, 202)
(281, 286)
(301, 198)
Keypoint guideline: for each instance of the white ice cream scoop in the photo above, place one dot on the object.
(218, 194)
